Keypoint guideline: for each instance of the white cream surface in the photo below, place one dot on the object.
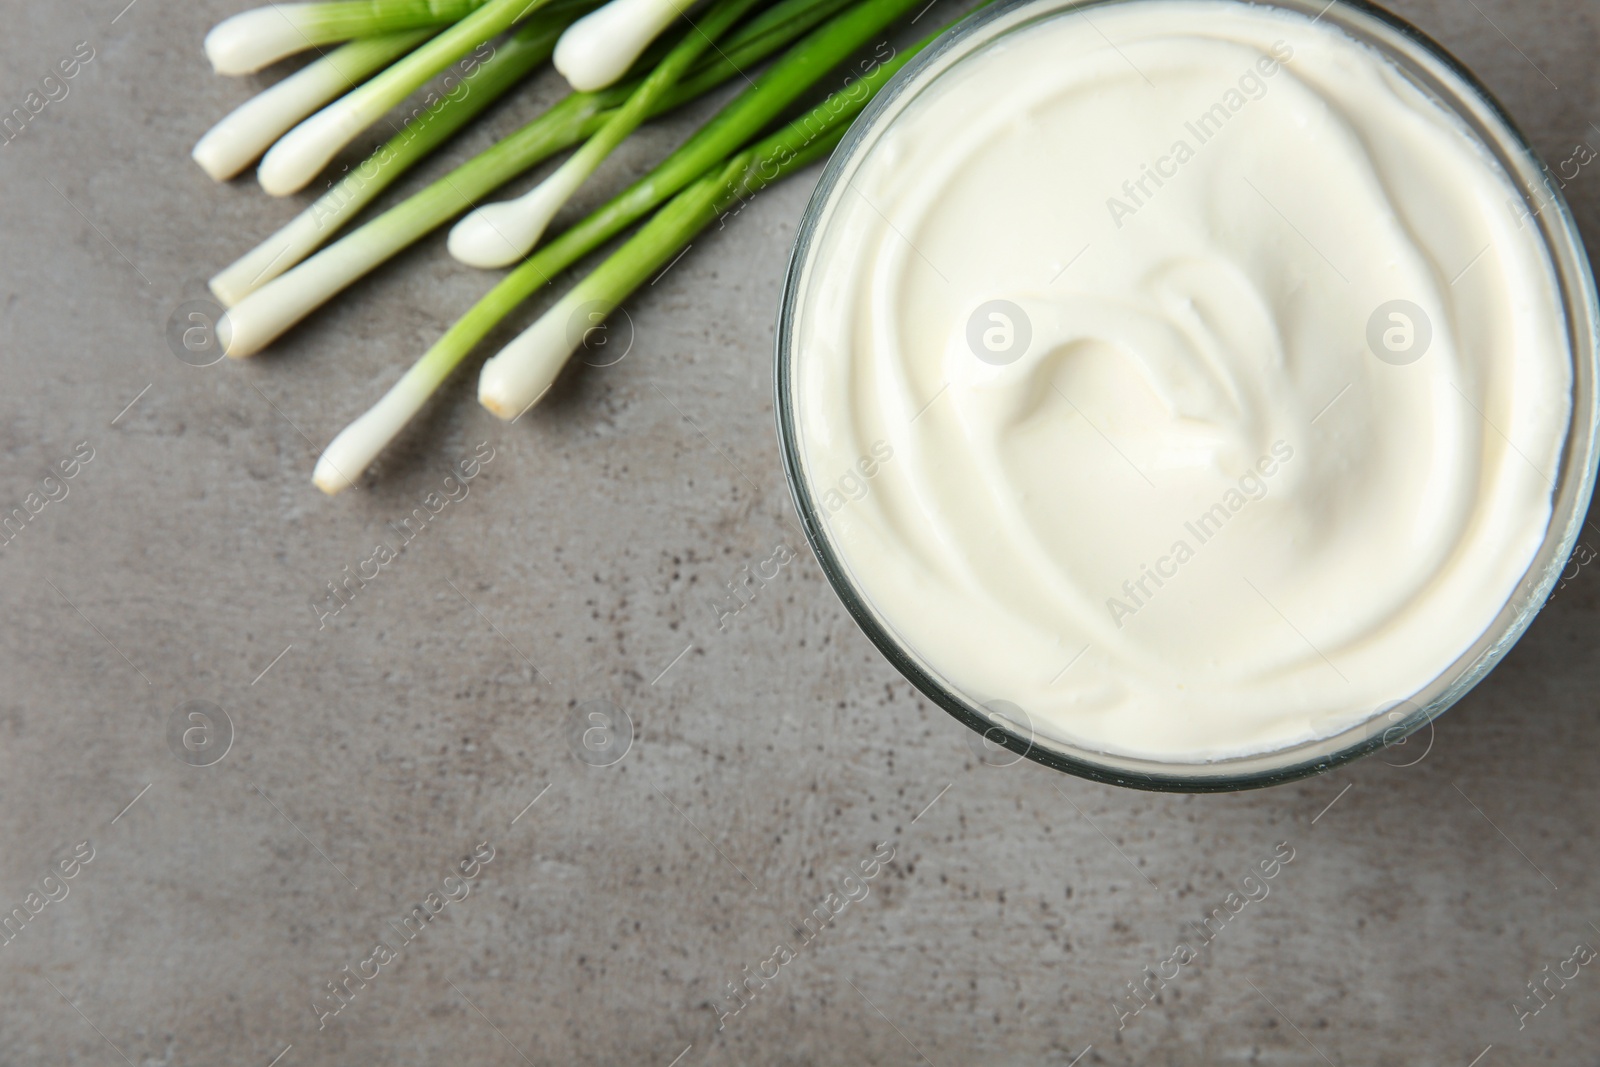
(1196, 516)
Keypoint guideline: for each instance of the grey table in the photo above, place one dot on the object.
(373, 752)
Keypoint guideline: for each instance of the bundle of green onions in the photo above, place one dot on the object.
(627, 61)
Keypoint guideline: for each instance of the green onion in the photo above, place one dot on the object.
(440, 116)
(308, 231)
(500, 234)
(295, 160)
(801, 141)
(599, 48)
(259, 318)
(775, 27)
(266, 312)
(249, 130)
(537, 355)
(256, 38)
(522, 372)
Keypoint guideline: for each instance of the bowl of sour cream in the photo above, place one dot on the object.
(1189, 394)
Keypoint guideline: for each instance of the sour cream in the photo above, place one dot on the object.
(1213, 387)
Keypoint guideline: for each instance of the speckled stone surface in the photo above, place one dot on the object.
(373, 755)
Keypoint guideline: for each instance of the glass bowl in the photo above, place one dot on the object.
(1004, 732)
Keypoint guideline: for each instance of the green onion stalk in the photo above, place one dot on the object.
(249, 129)
(600, 48)
(497, 235)
(522, 372)
(304, 151)
(261, 36)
